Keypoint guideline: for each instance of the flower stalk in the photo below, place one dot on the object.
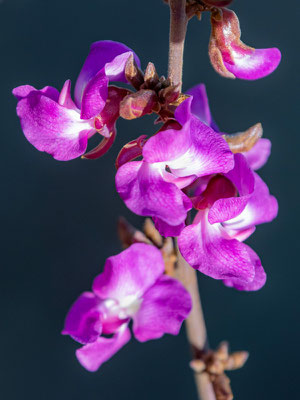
(195, 323)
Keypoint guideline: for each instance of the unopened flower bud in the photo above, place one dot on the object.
(137, 104)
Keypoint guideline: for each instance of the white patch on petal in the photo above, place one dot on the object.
(75, 125)
(242, 220)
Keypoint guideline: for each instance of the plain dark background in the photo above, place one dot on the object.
(59, 218)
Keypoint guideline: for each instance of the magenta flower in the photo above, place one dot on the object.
(173, 158)
(131, 287)
(53, 123)
(231, 58)
(260, 152)
(229, 209)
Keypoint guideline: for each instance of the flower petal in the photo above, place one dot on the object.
(52, 128)
(93, 355)
(254, 65)
(195, 149)
(243, 179)
(23, 91)
(165, 306)
(94, 95)
(207, 248)
(260, 208)
(167, 230)
(200, 105)
(103, 54)
(259, 154)
(65, 98)
(129, 274)
(83, 322)
(145, 192)
(231, 57)
(259, 278)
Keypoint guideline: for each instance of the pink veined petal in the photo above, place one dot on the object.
(52, 128)
(93, 355)
(259, 154)
(260, 208)
(200, 104)
(144, 192)
(65, 98)
(83, 322)
(243, 179)
(129, 274)
(23, 91)
(253, 65)
(94, 95)
(259, 278)
(208, 249)
(195, 149)
(167, 230)
(102, 53)
(165, 306)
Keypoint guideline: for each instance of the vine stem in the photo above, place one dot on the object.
(195, 324)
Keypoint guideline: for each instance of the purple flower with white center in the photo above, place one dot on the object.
(54, 123)
(231, 58)
(172, 159)
(256, 157)
(131, 287)
(213, 243)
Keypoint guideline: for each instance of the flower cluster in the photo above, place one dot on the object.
(187, 168)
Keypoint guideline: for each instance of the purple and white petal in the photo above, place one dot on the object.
(83, 322)
(145, 192)
(52, 128)
(195, 149)
(210, 250)
(165, 306)
(260, 208)
(93, 355)
(259, 154)
(231, 58)
(252, 65)
(259, 278)
(129, 274)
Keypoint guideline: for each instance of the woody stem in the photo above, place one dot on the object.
(178, 25)
(195, 324)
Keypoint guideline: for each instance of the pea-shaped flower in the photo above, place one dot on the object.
(54, 123)
(231, 58)
(131, 287)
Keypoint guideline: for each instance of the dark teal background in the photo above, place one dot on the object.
(58, 219)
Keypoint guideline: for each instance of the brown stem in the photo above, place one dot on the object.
(195, 324)
(178, 24)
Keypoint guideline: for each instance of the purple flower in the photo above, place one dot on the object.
(131, 287)
(260, 152)
(230, 207)
(178, 154)
(53, 123)
(231, 58)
